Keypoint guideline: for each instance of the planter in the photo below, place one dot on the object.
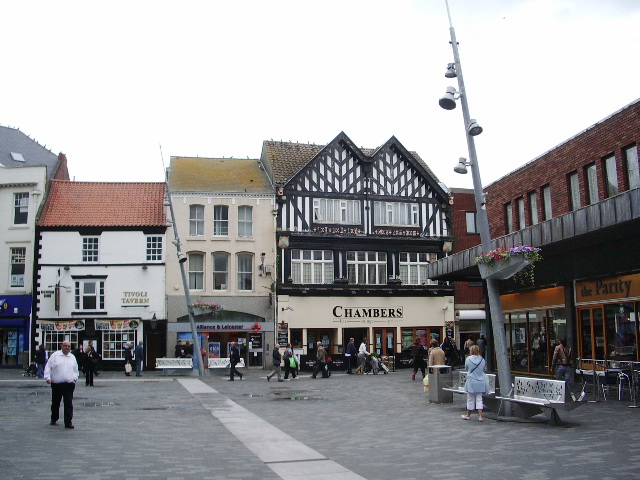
(503, 269)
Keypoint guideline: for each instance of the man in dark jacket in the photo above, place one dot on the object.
(277, 359)
(139, 356)
(234, 359)
(351, 354)
(417, 354)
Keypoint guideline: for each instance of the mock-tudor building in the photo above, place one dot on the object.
(25, 169)
(580, 203)
(356, 229)
(101, 268)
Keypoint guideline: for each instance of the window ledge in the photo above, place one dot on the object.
(89, 312)
(198, 238)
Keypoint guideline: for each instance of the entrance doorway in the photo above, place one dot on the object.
(357, 334)
(591, 329)
(384, 341)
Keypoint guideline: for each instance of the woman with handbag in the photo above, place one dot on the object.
(290, 363)
(128, 358)
(476, 384)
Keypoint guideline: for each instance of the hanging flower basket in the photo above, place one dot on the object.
(517, 262)
(201, 307)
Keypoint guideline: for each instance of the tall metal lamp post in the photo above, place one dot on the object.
(472, 129)
(182, 258)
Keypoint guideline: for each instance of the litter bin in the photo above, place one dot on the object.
(440, 376)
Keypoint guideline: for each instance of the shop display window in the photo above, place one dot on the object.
(53, 340)
(113, 342)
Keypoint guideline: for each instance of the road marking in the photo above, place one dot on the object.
(288, 458)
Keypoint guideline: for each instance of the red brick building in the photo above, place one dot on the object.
(580, 203)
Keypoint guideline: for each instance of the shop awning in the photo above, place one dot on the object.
(471, 315)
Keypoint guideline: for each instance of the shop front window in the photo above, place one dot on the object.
(621, 331)
(113, 342)
(519, 349)
(53, 340)
(538, 344)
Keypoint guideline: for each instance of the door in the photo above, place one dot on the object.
(592, 341)
(384, 341)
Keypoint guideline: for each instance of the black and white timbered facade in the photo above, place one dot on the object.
(355, 230)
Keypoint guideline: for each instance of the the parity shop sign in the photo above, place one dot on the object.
(66, 325)
(116, 324)
(132, 299)
(627, 286)
(366, 314)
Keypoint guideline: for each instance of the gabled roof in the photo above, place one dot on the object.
(286, 159)
(219, 175)
(101, 204)
(14, 141)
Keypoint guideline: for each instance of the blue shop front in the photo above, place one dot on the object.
(15, 313)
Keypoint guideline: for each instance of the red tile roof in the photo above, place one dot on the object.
(80, 204)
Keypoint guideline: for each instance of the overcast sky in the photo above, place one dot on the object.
(107, 83)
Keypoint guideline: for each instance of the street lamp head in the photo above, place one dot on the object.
(462, 166)
(474, 129)
(451, 71)
(448, 101)
(182, 258)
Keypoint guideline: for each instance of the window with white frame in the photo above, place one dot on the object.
(245, 272)
(633, 168)
(312, 266)
(196, 220)
(196, 271)
(533, 207)
(591, 177)
(220, 271)
(154, 248)
(221, 221)
(396, 213)
(20, 208)
(546, 202)
(53, 339)
(90, 246)
(89, 294)
(611, 174)
(472, 222)
(245, 221)
(113, 342)
(367, 268)
(330, 210)
(413, 268)
(18, 265)
(574, 191)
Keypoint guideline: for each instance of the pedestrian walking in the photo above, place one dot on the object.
(482, 345)
(61, 372)
(90, 360)
(290, 363)
(321, 362)
(41, 360)
(139, 357)
(476, 384)
(128, 358)
(362, 356)
(351, 355)
(234, 359)
(418, 352)
(277, 359)
(436, 354)
(450, 352)
(467, 346)
(561, 363)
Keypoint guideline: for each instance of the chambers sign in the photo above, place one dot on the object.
(359, 313)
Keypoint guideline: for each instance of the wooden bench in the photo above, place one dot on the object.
(167, 364)
(532, 396)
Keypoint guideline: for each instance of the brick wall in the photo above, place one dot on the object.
(610, 136)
